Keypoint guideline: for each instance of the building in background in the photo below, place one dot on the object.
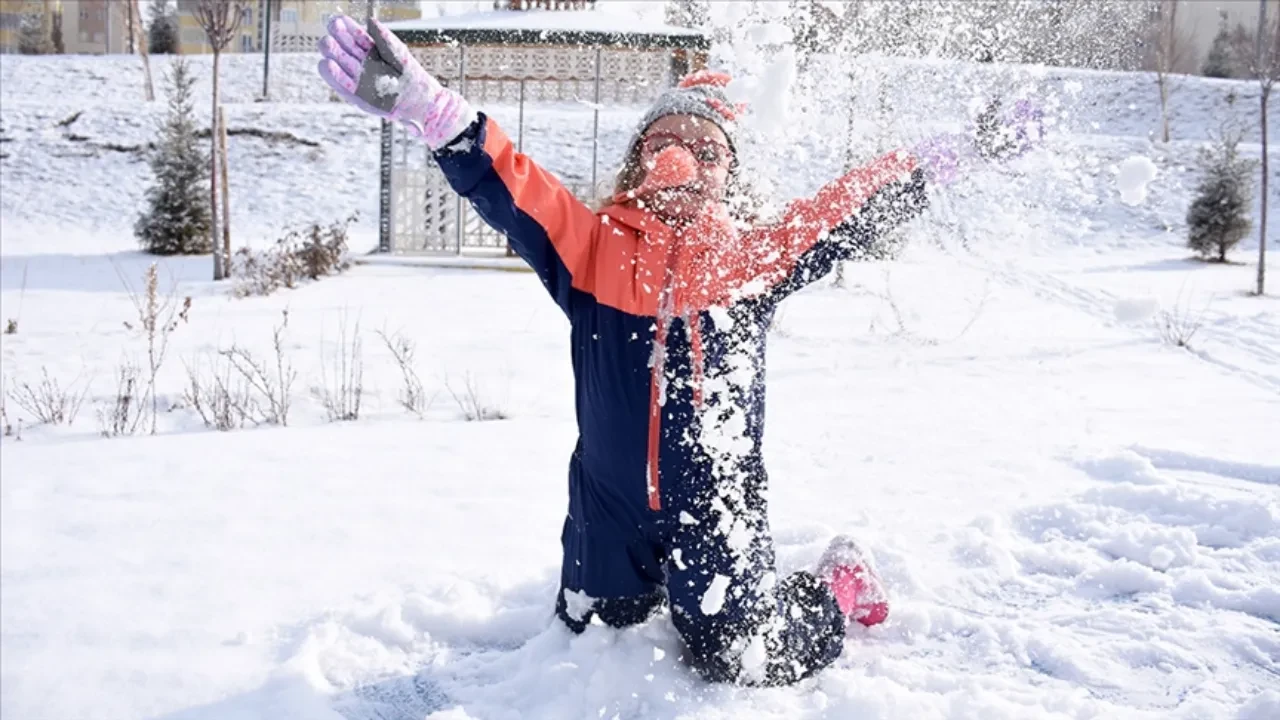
(296, 25)
(88, 26)
(15, 13)
(95, 26)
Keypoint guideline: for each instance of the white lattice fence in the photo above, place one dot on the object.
(426, 211)
(426, 216)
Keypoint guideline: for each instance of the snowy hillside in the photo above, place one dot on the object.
(1077, 519)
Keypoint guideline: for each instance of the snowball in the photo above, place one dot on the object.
(1135, 311)
(1134, 175)
(387, 85)
(1162, 557)
(713, 598)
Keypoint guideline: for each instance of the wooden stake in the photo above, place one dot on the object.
(226, 195)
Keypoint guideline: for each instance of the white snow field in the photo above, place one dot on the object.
(1077, 518)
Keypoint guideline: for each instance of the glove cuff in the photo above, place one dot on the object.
(448, 115)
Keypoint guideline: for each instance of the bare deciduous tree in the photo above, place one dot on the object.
(1264, 66)
(130, 14)
(1170, 46)
(220, 20)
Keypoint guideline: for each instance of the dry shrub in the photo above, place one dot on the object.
(48, 401)
(342, 373)
(308, 252)
(124, 414)
(411, 397)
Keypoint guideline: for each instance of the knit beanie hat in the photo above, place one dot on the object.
(702, 95)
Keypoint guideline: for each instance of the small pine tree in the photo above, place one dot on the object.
(162, 36)
(177, 217)
(1217, 64)
(33, 36)
(1219, 216)
(994, 141)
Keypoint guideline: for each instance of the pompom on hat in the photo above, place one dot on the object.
(701, 94)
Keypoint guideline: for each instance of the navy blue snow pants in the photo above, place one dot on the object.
(712, 561)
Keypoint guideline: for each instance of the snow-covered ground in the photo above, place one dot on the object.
(1077, 518)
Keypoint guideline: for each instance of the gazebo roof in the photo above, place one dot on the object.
(548, 27)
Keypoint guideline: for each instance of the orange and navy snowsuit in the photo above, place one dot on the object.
(667, 482)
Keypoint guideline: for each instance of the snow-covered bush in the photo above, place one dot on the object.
(1219, 215)
(307, 252)
(177, 218)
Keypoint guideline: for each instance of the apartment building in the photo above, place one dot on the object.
(88, 26)
(12, 15)
(296, 25)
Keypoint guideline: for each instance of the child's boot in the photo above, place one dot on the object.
(848, 570)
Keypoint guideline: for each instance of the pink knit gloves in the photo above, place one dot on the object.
(374, 71)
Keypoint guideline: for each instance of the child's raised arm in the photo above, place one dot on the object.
(546, 225)
(845, 218)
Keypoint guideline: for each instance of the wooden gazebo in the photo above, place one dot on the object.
(523, 53)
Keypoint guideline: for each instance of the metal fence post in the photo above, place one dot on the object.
(595, 129)
(385, 190)
(462, 90)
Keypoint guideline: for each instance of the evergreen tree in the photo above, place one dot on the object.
(162, 36)
(1217, 64)
(177, 217)
(33, 37)
(1219, 216)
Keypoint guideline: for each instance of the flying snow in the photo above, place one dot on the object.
(1133, 177)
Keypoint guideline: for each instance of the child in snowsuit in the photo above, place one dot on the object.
(669, 302)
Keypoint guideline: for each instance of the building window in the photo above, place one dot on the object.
(246, 43)
(246, 16)
(84, 13)
(289, 15)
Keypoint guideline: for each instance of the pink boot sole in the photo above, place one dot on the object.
(847, 570)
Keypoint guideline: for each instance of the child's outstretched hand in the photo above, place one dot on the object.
(1004, 138)
(374, 71)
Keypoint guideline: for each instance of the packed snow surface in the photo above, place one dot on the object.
(1076, 519)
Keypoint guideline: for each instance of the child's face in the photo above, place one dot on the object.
(710, 149)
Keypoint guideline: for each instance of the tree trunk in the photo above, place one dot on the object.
(218, 271)
(1262, 230)
(136, 31)
(128, 8)
(1163, 81)
(226, 194)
